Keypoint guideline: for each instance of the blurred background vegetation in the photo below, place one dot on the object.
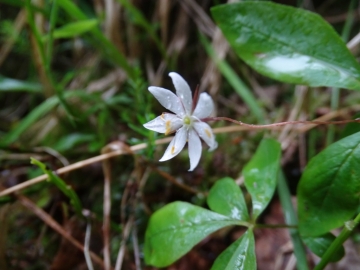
(73, 85)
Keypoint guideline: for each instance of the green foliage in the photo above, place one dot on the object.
(72, 53)
(60, 184)
(239, 255)
(226, 198)
(109, 50)
(261, 174)
(177, 227)
(319, 244)
(238, 85)
(12, 85)
(328, 193)
(288, 44)
(74, 29)
(29, 120)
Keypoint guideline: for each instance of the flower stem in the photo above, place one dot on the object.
(275, 125)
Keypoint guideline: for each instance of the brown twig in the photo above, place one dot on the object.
(114, 146)
(79, 165)
(56, 226)
(241, 127)
(176, 183)
(121, 253)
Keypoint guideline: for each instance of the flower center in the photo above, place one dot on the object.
(187, 120)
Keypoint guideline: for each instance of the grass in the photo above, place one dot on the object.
(73, 95)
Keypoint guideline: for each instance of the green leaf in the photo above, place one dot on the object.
(239, 255)
(226, 198)
(66, 189)
(74, 29)
(288, 44)
(261, 174)
(177, 227)
(320, 244)
(351, 128)
(328, 192)
(12, 85)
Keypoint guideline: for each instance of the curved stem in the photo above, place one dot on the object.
(268, 126)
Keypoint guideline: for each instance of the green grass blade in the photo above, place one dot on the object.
(290, 219)
(28, 120)
(12, 85)
(234, 80)
(57, 181)
(109, 49)
(140, 20)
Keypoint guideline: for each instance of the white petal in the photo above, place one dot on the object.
(205, 133)
(165, 123)
(167, 99)
(182, 91)
(194, 149)
(204, 107)
(176, 145)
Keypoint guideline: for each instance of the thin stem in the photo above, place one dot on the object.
(275, 226)
(126, 149)
(338, 242)
(275, 125)
(87, 245)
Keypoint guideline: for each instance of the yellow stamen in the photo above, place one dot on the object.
(208, 133)
(167, 127)
(172, 150)
(162, 116)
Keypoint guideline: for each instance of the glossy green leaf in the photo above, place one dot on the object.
(261, 174)
(66, 189)
(288, 44)
(328, 192)
(226, 198)
(320, 244)
(177, 227)
(75, 28)
(240, 255)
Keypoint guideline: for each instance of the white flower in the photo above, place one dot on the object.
(186, 121)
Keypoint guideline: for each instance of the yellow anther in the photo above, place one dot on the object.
(167, 127)
(172, 150)
(208, 133)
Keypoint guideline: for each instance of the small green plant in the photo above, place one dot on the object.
(294, 46)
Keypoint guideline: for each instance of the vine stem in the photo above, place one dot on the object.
(275, 125)
(337, 243)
